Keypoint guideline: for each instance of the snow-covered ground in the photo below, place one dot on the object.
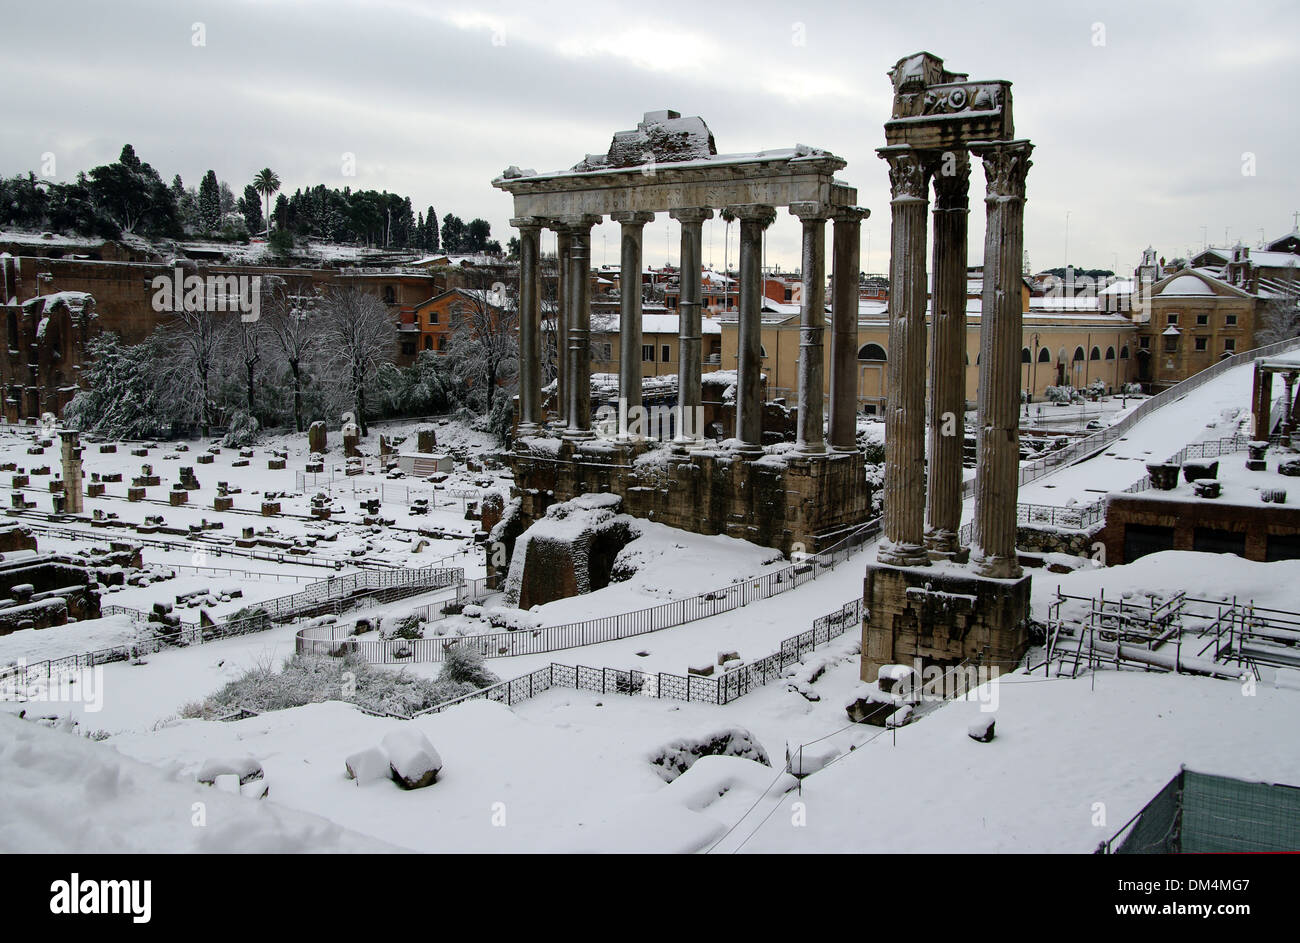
(572, 770)
(1199, 415)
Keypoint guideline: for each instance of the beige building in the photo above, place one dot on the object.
(1065, 342)
(1195, 320)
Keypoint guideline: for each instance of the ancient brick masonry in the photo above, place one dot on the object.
(927, 597)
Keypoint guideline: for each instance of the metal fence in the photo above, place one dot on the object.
(336, 640)
(327, 597)
(696, 688)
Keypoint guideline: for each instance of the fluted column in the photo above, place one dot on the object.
(846, 242)
(997, 473)
(951, 174)
(904, 513)
(530, 326)
(810, 437)
(754, 218)
(629, 311)
(689, 347)
(563, 243)
(578, 363)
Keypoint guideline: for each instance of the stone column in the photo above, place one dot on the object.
(73, 490)
(997, 474)
(754, 218)
(951, 174)
(904, 517)
(563, 243)
(578, 362)
(846, 243)
(629, 309)
(530, 326)
(1263, 390)
(1288, 406)
(810, 437)
(689, 348)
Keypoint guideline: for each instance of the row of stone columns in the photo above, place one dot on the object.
(922, 518)
(574, 323)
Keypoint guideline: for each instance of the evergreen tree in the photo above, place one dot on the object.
(210, 203)
(250, 205)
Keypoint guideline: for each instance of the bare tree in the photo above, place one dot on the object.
(292, 334)
(357, 334)
(1278, 318)
(484, 345)
(194, 341)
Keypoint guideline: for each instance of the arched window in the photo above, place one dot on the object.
(428, 342)
(1044, 355)
(872, 352)
(1110, 353)
(977, 358)
(1123, 352)
(390, 296)
(762, 351)
(1026, 356)
(1078, 354)
(1096, 354)
(968, 358)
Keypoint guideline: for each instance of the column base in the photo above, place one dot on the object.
(943, 545)
(805, 449)
(579, 435)
(904, 555)
(995, 567)
(529, 429)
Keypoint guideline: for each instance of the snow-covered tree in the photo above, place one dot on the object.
(291, 334)
(357, 335)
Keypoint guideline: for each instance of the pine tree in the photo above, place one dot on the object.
(432, 218)
(250, 205)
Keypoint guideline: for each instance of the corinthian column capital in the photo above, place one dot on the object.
(951, 173)
(907, 172)
(1006, 164)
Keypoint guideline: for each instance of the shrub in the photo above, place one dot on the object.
(309, 679)
(463, 665)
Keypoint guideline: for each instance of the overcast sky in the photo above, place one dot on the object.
(1142, 114)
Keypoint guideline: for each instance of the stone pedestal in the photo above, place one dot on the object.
(317, 437)
(942, 615)
(426, 439)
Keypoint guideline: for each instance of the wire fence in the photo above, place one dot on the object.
(337, 640)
